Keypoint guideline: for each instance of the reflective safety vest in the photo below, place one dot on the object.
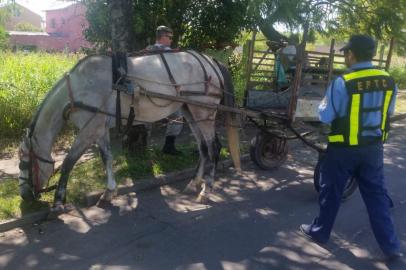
(347, 130)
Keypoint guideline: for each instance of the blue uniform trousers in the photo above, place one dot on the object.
(366, 164)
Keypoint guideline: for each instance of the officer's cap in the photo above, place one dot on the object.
(360, 44)
(163, 28)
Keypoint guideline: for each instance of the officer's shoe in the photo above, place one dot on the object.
(171, 151)
(393, 256)
(305, 230)
(169, 146)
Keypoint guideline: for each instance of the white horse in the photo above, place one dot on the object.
(89, 84)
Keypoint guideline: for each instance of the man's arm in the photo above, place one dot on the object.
(333, 103)
(391, 109)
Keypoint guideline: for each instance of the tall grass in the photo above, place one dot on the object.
(25, 78)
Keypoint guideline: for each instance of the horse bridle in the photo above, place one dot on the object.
(33, 169)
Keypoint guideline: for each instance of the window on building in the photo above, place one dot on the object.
(53, 23)
(63, 20)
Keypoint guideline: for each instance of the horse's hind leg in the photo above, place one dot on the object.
(197, 180)
(107, 157)
(203, 124)
(85, 138)
(212, 148)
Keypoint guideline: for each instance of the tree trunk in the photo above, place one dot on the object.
(122, 38)
(121, 18)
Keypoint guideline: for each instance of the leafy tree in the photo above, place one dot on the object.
(24, 26)
(379, 18)
(5, 12)
(216, 23)
(197, 24)
(99, 30)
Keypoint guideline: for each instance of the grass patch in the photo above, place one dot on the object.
(90, 176)
(25, 78)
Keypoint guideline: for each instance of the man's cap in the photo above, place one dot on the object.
(164, 28)
(360, 43)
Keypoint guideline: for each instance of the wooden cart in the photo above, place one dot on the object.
(294, 102)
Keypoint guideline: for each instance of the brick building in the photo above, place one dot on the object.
(65, 22)
(21, 14)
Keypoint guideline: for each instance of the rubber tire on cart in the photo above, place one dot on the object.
(349, 189)
(268, 150)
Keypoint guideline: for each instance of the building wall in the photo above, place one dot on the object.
(64, 31)
(23, 15)
(42, 42)
(68, 23)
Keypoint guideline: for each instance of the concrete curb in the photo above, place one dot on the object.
(93, 197)
(25, 220)
(150, 183)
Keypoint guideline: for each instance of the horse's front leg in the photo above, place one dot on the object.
(88, 135)
(73, 156)
(107, 157)
(211, 146)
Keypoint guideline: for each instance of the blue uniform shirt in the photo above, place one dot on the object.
(158, 47)
(336, 101)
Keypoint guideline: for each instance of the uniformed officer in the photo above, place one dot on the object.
(164, 36)
(357, 105)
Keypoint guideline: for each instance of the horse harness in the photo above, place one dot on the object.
(33, 168)
(124, 84)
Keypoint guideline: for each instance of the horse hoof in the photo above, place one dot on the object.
(108, 195)
(57, 209)
(191, 188)
(202, 198)
(26, 194)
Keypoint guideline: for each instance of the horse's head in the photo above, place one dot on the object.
(35, 170)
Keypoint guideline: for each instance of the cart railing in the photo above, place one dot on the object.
(317, 69)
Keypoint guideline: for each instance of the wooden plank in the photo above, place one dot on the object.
(261, 76)
(260, 60)
(260, 82)
(260, 51)
(255, 57)
(268, 65)
(220, 107)
(250, 46)
(264, 70)
(331, 60)
(318, 81)
(319, 53)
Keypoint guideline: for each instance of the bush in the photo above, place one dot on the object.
(24, 81)
(236, 64)
(399, 74)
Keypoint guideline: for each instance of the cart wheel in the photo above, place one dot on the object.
(349, 189)
(268, 151)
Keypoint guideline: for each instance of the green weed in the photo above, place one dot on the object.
(25, 78)
(90, 176)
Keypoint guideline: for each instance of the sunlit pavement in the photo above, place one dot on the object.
(251, 222)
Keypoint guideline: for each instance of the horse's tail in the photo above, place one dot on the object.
(231, 119)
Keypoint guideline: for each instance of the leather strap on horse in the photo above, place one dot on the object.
(171, 78)
(119, 70)
(214, 68)
(131, 115)
(70, 92)
(206, 78)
